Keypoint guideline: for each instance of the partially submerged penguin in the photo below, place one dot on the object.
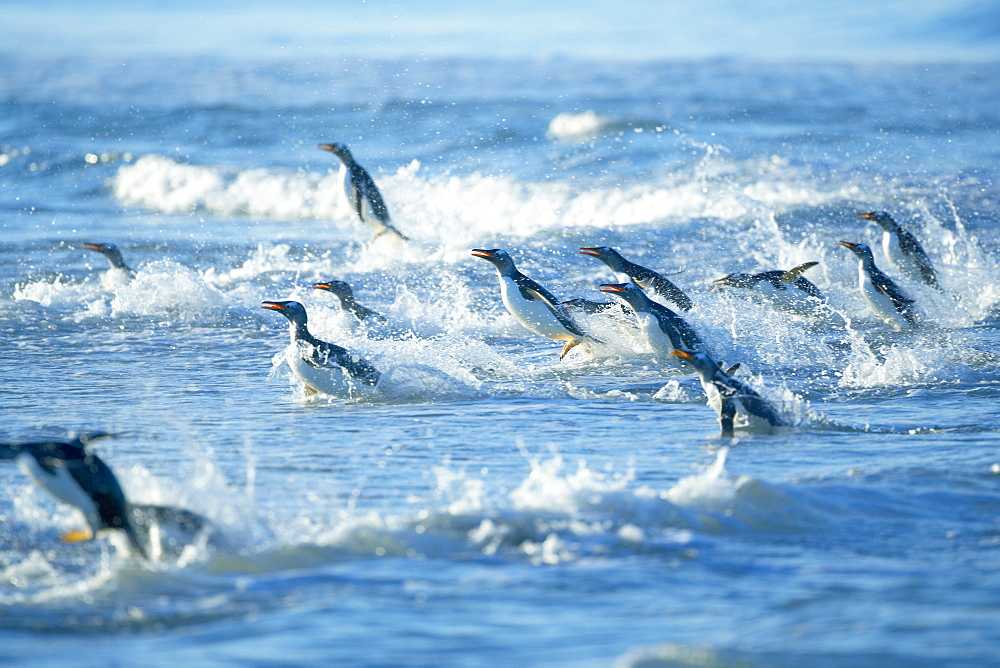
(738, 406)
(320, 365)
(788, 291)
(72, 473)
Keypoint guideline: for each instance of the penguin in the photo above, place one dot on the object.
(321, 366)
(532, 305)
(345, 294)
(788, 291)
(115, 259)
(664, 329)
(738, 406)
(903, 251)
(647, 279)
(888, 301)
(75, 475)
(362, 193)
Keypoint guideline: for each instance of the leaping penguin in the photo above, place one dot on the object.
(738, 406)
(362, 193)
(532, 305)
(345, 295)
(903, 251)
(70, 472)
(884, 297)
(114, 256)
(322, 366)
(788, 291)
(664, 329)
(647, 279)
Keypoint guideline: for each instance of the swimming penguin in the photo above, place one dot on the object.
(647, 279)
(114, 256)
(532, 305)
(321, 366)
(903, 251)
(882, 294)
(362, 193)
(664, 329)
(70, 472)
(788, 291)
(345, 294)
(738, 406)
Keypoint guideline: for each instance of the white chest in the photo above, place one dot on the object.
(658, 339)
(898, 259)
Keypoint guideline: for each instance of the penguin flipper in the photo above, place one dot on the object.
(793, 273)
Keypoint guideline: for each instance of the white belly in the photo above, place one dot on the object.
(535, 315)
(332, 380)
(883, 307)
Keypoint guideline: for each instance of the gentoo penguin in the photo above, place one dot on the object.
(903, 251)
(738, 406)
(362, 193)
(345, 294)
(884, 296)
(321, 366)
(788, 291)
(647, 279)
(70, 472)
(665, 329)
(532, 305)
(114, 256)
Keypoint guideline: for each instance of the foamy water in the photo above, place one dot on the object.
(488, 502)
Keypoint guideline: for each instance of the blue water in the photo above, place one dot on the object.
(495, 505)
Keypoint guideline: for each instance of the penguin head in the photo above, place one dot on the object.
(340, 288)
(499, 258)
(109, 251)
(627, 292)
(702, 363)
(294, 311)
(880, 218)
(863, 251)
(74, 475)
(339, 150)
(735, 280)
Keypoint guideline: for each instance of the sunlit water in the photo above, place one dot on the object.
(493, 504)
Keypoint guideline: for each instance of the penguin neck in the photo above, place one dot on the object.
(347, 302)
(299, 331)
(507, 271)
(616, 263)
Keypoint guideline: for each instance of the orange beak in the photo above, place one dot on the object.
(683, 354)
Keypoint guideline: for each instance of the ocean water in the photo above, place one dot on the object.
(494, 504)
